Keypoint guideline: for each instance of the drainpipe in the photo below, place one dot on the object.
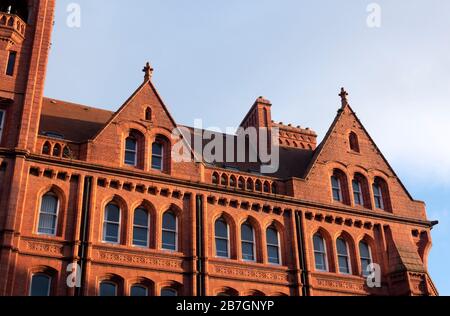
(200, 246)
(82, 252)
(302, 253)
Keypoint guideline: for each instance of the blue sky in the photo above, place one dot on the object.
(213, 58)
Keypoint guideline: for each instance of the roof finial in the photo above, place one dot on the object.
(344, 96)
(148, 70)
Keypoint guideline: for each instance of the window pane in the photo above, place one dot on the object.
(138, 290)
(247, 232)
(157, 149)
(112, 233)
(168, 292)
(49, 204)
(343, 265)
(320, 261)
(47, 224)
(318, 244)
(222, 248)
(273, 253)
(131, 144)
(40, 285)
(272, 236)
(130, 158)
(364, 250)
(247, 251)
(141, 217)
(341, 247)
(169, 221)
(140, 237)
(157, 163)
(364, 266)
(221, 229)
(169, 241)
(113, 213)
(108, 289)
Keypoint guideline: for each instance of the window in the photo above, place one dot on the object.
(320, 253)
(336, 188)
(40, 285)
(366, 257)
(2, 123)
(233, 181)
(266, 187)
(140, 228)
(67, 153)
(224, 180)
(343, 258)
(378, 196)
(157, 156)
(357, 192)
(274, 188)
(11, 63)
(148, 114)
(354, 143)
(222, 239)
(56, 150)
(48, 215)
(273, 245)
(248, 242)
(168, 292)
(241, 183)
(131, 151)
(258, 186)
(108, 289)
(46, 148)
(170, 232)
(138, 290)
(111, 226)
(249, 184)
(215, 178)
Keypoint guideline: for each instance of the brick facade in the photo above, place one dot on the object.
(76, 154)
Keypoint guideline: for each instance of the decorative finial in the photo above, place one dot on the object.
(344, 96)
(148, 70)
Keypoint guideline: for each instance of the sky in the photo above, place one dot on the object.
(213, 58)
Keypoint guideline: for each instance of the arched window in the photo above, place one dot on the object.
(224, 179)
(273, 245)
(381, 194)
(40, 285)
(215, 178)
(233, 181)
(141, 225)
(320, 253)
(366, 258)
(266, 187)
(167, 291)
(336, 186)
(46, 148)
(249, 184)
(353, 141)
(274, 188)
(258, 186)
(248, 242)
(148, 114)
(111, 224)
(170, 232)
(138, 290)
(222, 239)
(241, 183)
(108, 288)
(131, 151)
(48, 215)
(158, 156)
(67, 153)
(56, 150)
(343, 256)
(358, 192)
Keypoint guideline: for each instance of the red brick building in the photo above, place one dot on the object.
(100, 189)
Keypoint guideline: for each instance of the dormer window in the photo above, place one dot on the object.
(354, 143)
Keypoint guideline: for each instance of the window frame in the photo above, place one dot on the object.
(324, 253)
(221, 238)
(162, 156)
(361, 258)
(105, 222)
(280, 260)
(359, 192)
(134, 152)
(379, 196)
(347, 256)
(142, 227)
(56, 215)
(248, 242)
(339, 188)
(170, 231)
(49, 290)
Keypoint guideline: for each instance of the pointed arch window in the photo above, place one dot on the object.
(111, 224)
(241, 183)
(248, 242)
(365, 257)
(46, 149)
(273, 245)
(40, 285)
(343, 256)
(222, 233)
(215, 178)
(56, 150)
(320, 253)
(233, 181)
(48, 215)
(170, 231)
(131, 151)
(141, 225)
